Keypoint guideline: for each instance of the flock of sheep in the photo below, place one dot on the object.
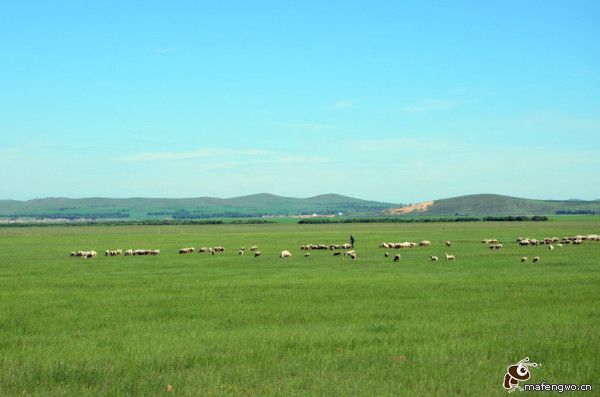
(577, 240)
(310, 247)
(84, 254)
(493, 244)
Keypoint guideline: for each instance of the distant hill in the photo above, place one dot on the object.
(255, 205)
(263, 204)
(495, 204)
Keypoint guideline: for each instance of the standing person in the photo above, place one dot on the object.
(352, 241)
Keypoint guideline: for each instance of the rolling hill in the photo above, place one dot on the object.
(264, 204)
(255, 205)
(495, 204)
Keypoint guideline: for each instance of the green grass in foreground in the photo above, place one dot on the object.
(231, 325)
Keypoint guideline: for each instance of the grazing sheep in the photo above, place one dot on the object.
(550, 247)
(307, 254)
(241, 252)
(129, 252)
(425, 243)
(489, 241)
(89, 254)
(386, 254)
(202, 249)
(285, 254)
(536, 259)
(434, 258)
(448, 243)
(154, 252)
(337, 253)
(349, 253)
(397, 258)
(559, 245)
(353, 256)
(524, 259)
(253, 248)
(257, 253)
(188, 250)
(406, 244)
(450, 257)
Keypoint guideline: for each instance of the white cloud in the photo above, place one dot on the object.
(309, 126)
(223, 158)
(344, 105)
(196, 154)
(557, 121)
(164, 50)
(429, 106)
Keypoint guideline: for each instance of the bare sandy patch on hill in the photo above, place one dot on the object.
(407, 209)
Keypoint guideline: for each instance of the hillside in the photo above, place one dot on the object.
(495, 204)
(264, 204)
(255, 205)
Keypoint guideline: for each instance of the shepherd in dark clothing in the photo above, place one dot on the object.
(352, 240)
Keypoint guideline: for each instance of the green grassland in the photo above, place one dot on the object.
(317, 326)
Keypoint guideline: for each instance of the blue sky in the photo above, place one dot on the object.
(387, 100)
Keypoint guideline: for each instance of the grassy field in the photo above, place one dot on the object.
(318, 326)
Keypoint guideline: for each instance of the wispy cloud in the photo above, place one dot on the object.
(557, 120)
(224, 158)
(300, 159)
(164, 50)
(394, 144)
(196, 154)
(9, 153)
(462, 152)
(343, 105)
(462, 89)
(309, 126)
(429, 106)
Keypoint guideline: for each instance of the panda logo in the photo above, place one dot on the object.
(517, 373)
